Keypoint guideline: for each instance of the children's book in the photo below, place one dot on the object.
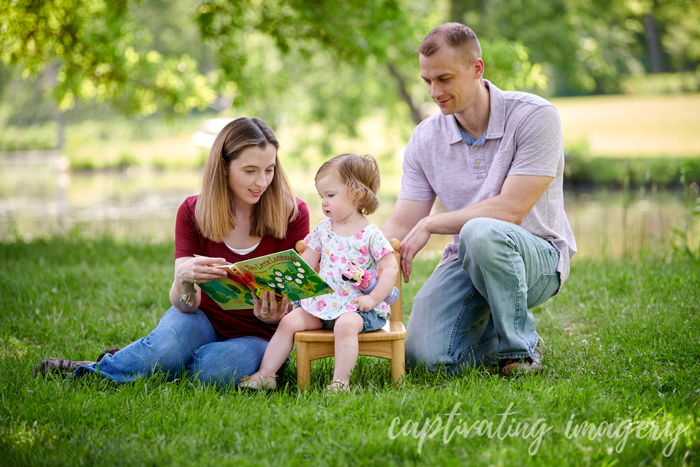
(284, 273)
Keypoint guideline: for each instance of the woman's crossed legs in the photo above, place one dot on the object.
(183, 341)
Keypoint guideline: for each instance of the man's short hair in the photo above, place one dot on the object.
(455, 35)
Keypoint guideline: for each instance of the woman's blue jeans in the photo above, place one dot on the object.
(475, 311)
(180, 342)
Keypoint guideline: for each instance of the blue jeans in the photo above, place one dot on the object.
(180, 342)
(371, 321)
(475, 311)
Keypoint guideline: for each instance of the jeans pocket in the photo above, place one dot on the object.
(543, 289)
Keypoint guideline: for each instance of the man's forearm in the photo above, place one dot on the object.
(392, 230)
(450, 223)
(405, 216)
(518, 195)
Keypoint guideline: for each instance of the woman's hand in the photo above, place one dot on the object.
(184, 295)
(199, 269)
(269, 310)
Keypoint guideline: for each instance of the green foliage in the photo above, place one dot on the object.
(632, 173)
(590, 46)
(621, 343)
(662, 83)
(353, 59)
(687, 236)
(508, 66)
(92, 49)
(322, 67)
(33, 137)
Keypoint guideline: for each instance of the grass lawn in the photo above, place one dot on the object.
(622, 353)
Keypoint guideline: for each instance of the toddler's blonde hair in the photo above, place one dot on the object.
(361, 176)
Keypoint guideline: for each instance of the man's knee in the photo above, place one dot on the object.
(479, 231)
(479, 239)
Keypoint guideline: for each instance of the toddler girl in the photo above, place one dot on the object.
(347, 185)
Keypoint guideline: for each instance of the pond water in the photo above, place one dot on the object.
(39, 200)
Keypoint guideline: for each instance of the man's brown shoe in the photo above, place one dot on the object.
(529, 365)
(58, 366)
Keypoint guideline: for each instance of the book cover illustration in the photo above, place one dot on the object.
(284, 273)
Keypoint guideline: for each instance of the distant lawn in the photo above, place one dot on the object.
(633, 126)
(621, 384)
(615, 126)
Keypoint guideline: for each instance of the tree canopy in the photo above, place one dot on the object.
(330, 63)
(94, 49)
(591, 46)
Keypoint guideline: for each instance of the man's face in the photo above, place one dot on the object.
(451, 82)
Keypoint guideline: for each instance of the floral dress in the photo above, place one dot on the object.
(366, 248)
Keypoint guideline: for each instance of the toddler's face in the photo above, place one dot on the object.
(334, 197)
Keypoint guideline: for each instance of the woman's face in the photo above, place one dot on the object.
(251, 173)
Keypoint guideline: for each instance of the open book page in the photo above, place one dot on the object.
(284, 273)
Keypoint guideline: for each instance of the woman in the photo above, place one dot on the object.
(246, 209)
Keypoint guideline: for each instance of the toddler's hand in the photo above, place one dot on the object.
(365, 302)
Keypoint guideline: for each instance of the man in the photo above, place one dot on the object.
(496, 161)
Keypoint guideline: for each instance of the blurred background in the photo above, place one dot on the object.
(107, 109)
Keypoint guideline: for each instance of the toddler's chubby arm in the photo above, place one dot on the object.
(385, 284)
(311, 257)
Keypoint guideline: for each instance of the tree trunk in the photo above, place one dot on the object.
(653, 44)
(52, 77)
(415, 114)
(60, 129)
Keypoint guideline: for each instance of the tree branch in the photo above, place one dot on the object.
(415, 115)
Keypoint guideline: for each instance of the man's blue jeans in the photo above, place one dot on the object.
(183, 341)
(475, 311)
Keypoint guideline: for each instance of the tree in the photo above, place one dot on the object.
(94, 49)
(331, 63)
(374, 38)
(590, 46)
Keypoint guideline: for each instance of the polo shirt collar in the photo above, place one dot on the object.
(497, 117)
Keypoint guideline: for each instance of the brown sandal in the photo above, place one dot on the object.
(58, 366)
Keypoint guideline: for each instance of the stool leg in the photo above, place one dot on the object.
(398, 361)
(303, 366)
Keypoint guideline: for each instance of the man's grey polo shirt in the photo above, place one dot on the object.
(523, 138)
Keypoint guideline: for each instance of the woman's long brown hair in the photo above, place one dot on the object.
(215, 211)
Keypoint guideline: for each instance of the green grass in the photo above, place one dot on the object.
(621, 343)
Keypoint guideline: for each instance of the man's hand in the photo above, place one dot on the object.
(414, 242)
(404, 225)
